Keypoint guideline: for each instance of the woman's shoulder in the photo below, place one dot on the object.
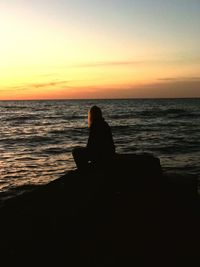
(100, 126)
(104, 124)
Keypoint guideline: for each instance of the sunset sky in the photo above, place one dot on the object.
(60, 49)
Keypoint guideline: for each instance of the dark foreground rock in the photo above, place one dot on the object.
(127, 214)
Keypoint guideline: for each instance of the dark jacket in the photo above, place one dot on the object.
(100, 143)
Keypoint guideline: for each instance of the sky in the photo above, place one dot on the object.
(66, 49)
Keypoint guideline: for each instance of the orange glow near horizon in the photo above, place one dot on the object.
(47, 58)
(102, 80)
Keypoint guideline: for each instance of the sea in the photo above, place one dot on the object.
(37, 137)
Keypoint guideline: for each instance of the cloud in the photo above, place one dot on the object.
(173, 88)
(108, 63)
(25, 87)
(119, 63)
(167, 79)
(135, 62)
(170, 89)
(179, 79)
(47, 84)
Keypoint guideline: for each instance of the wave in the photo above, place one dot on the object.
(21, 118)
(186, 116)
(26, 140)
(64, 117)
(161, 112)
(15, 107)
(55, 151)
(122, 116)
(153, 113)
(120, 127)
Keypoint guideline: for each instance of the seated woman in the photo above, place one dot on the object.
(100, 147)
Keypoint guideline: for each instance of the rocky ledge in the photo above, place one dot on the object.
(124, 213)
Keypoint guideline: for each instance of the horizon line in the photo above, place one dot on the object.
(116, 98)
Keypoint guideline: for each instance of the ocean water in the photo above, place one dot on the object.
(37, 137)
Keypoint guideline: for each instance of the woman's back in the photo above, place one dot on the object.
(100, 142)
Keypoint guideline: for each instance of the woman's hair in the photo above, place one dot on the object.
(94, 114)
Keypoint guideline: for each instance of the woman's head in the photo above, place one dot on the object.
(94, 114)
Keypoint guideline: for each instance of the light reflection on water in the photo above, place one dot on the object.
(37, 137)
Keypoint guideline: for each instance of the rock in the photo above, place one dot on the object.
(110, 216)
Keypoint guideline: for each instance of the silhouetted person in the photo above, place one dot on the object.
(100, 147)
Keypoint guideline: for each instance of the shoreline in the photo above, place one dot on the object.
(172, 177)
